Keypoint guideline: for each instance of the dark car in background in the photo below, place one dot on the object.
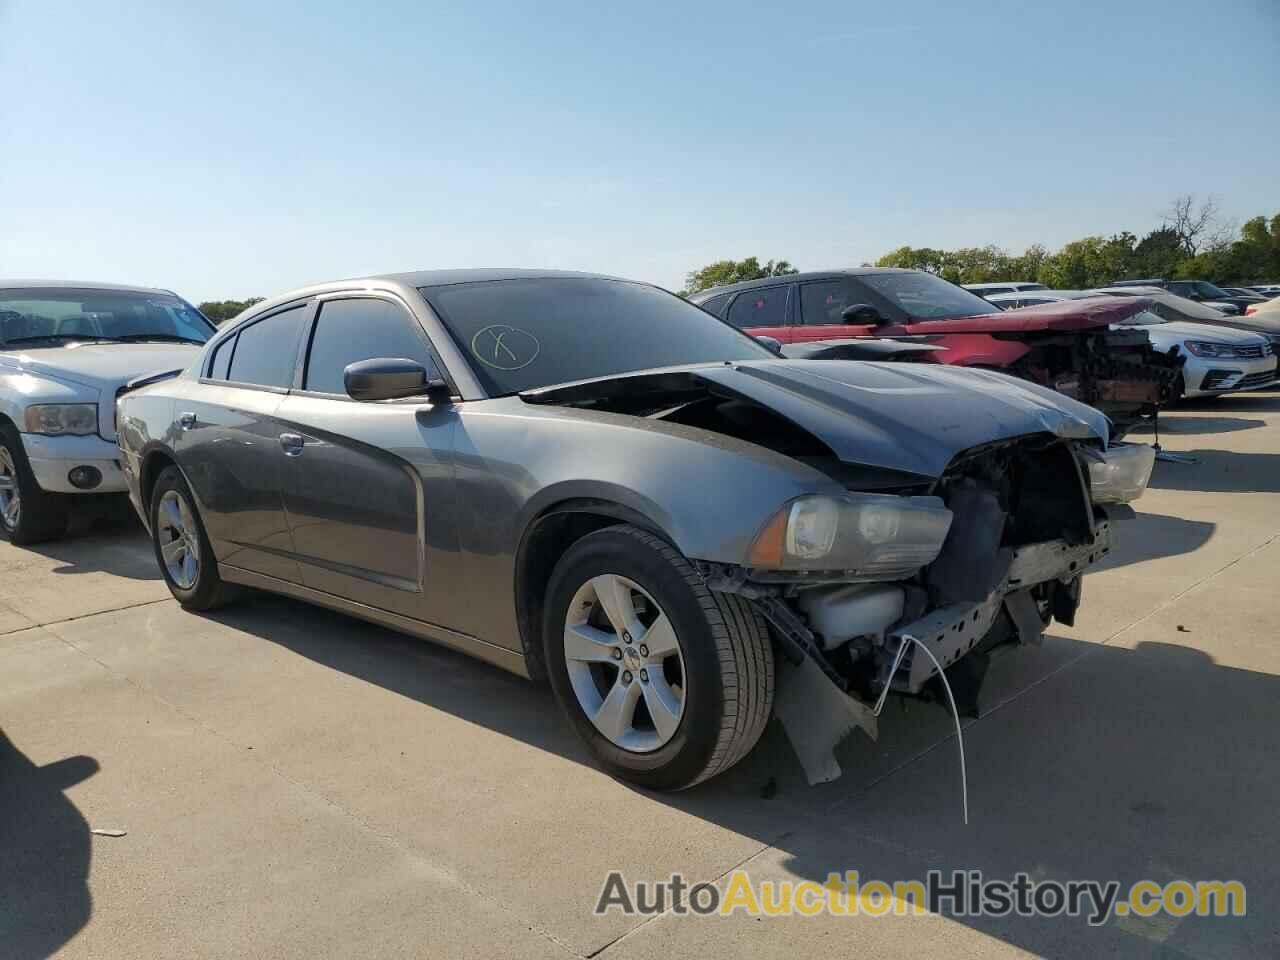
(592, 480)
(1066, 346)
(1201, 291)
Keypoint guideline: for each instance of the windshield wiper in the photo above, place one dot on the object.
(157, 337)
(59, 338)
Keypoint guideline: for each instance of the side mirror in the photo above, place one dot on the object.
(386, 378)
(861, 313)
(770, 344)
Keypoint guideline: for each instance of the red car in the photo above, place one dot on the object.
(1070, 346)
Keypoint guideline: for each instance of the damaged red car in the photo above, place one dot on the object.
(1070, 346)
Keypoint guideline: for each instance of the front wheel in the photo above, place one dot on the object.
(182, 547)
(666, 682)
(27, 513)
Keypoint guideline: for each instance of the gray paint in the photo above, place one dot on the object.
(413, 513)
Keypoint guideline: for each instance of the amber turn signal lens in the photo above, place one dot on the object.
(767, 550)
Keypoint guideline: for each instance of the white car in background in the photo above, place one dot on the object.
(66, 351)
(1219, 359)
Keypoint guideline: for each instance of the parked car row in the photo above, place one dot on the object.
(1220, 354)
(591, 480)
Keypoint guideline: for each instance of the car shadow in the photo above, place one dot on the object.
(1220, 471)
(1259, 401)
(1150, 762)
(44, 854)
(1150, 536)
(1179, 426)
(104, 536)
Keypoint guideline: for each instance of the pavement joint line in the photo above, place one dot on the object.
(807, 820)
(260, 758)
(83, 616)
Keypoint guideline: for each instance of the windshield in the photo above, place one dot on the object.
(926, 297)
(57, 314)
(524, 334)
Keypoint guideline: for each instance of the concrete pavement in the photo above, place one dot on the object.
(293, 782)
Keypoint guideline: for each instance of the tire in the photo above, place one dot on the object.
(174, 517)
(721, 672)
(27, 513)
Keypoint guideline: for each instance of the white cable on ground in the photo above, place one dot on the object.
(955, 713)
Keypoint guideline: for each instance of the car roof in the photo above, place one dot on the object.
(1015, 284)
(437, 278)
(78, 285)
(702, 295)
(1052, 294)
(1144, 291)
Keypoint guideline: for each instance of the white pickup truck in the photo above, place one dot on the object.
(66, 350)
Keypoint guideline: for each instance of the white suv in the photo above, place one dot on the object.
(66, 350)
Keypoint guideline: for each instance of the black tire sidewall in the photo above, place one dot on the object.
(204, 591)
(42, 515)
(683, 758)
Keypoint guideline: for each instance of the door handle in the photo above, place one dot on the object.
(291, 444)
(186, 420)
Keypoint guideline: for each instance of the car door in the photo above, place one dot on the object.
(358, 475)
(821, 304)
(229, 448)
(762, 312)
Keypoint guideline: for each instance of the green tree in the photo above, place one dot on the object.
(220, 310)
(724, 272)
(1157, 255)
(1089, 262)
(915, 258)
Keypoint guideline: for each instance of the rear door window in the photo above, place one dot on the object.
(221, 363)
(766, 307)
(716, 304)
(267, 350)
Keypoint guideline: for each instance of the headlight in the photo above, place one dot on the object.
(1122, 473)
(1207, 348)
(60, 418)
(875, 536)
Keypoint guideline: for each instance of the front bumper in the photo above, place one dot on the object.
(52, 458)
(1209, 377)
(954, 630)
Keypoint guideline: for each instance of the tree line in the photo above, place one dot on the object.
(1192, 243)
(220, 310)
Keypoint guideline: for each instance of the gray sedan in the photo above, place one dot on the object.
(593, 481)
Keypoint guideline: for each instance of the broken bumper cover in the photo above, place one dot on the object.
(952, 631)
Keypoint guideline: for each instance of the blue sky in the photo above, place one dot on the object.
(234, 148)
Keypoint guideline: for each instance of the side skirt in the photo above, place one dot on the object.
(463, 643)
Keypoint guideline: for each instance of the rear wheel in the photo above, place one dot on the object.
(182, 547)
(667, 683)
(27, 513)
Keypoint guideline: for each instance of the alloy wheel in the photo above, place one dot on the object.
(179, 539)
(625, 663)
(10, 496)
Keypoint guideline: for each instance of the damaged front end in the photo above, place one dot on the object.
(1024, 519)
(1115, 370)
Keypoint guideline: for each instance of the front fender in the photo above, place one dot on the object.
(707, 493)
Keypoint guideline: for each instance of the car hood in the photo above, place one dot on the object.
(912, 418)
(103, 366)
(1175, 332)
(1085, 314)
